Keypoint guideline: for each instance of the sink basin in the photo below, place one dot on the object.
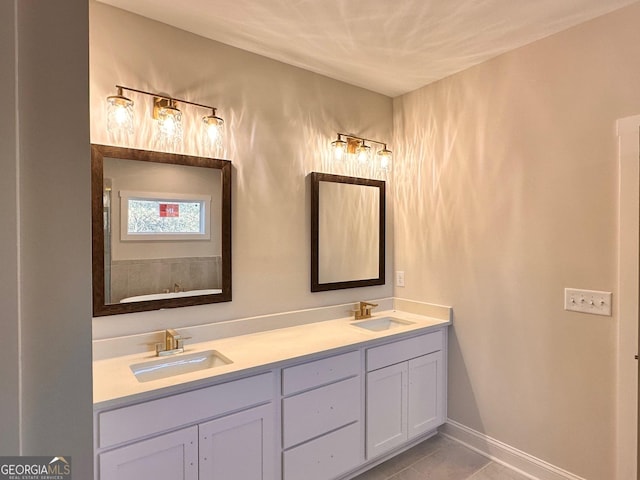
(381, 324)
(177, 365)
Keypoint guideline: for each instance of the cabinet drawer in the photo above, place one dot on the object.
(318, 411)
(402, 350)
(135, 421)
(326, 457)
(320, 372)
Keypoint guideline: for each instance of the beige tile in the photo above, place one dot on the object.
(494, 471)
(161, 275)
(454, 462)
(119, 283)
(380, 472)
(139, 280)
(405, 459)
(408, 474)
(421, 450)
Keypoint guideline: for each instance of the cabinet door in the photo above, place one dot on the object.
(425, 397)
(239, 446)
(173, 456)
(386, 408)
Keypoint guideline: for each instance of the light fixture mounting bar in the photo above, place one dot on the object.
(348, 135)
(159, 95)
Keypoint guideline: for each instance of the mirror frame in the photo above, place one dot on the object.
(98, 153)
(316, 178)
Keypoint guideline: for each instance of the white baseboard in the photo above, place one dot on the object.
(499, 452)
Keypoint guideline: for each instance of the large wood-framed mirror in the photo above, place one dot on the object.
(161, 230)
(347, 232)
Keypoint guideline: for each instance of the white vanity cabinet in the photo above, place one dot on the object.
(172, 456)
(323, 415)
(222, 431)
(238, 446)
(405, 391)
(322, 432)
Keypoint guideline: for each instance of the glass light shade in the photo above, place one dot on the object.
(384, 156)
(119, 114)
(363, 153)
(169, 126)
(212, 133)
(339, 148)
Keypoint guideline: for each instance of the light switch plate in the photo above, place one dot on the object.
(587, 301)
(399, 278)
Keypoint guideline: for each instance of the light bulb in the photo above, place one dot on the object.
(119, 114)
(213, 133)
(169, 124)
(339, 148)
(363, 152)
(385, 158)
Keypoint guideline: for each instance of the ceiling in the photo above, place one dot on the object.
(390, 47)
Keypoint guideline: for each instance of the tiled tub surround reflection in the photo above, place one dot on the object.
(130, 278)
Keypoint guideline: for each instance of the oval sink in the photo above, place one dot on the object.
(177, 365)
(380, 324)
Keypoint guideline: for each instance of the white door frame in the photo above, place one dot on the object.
(628, 130)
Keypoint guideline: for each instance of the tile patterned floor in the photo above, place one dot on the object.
(440, 458)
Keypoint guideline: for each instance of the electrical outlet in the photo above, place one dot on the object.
(399, 278)
(587, 301)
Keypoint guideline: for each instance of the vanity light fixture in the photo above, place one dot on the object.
(363, 153)
(355, 147)
(384, 156)
(167, 115)
(119, 113)
(168, 121)
(339, 148)
(213, 131)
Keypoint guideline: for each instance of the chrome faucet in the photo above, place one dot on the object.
(364, 310)
(173, 343)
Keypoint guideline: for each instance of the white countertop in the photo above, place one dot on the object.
(115, 384)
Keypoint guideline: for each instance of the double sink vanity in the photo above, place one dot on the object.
(322, 400)
(306, 395)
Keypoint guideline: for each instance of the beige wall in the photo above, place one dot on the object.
(45, 251)
(279, 123)
(509, 175)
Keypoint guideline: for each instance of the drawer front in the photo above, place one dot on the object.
(129, 423)
(326, 457)
(320, 372)
(402, 350)
(319, 411)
